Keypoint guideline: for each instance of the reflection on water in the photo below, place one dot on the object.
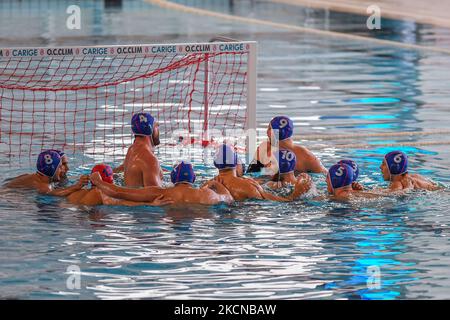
(312, 249)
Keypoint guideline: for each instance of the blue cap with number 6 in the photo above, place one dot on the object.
(397, 162)
(284, 125)
(286, 161)
(341, 175)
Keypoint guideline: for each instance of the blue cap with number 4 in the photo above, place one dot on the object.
(142, 124)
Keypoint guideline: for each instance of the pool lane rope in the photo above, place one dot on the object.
(371, 135)
(379, 145)
(333, 34)
(318, 138)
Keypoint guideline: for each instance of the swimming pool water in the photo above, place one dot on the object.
(303, 250)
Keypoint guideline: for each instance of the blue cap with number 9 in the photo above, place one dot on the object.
(397, 162)
(142, 124)
(286, 161)
(284, 125)
(341, 175)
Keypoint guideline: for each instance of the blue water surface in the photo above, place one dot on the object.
(256, 250)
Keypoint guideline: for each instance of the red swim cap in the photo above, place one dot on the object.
(105, 171)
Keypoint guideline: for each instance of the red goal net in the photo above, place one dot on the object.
(81, 99)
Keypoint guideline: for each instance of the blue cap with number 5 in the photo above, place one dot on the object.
(397, 162)
(284, 125)
(341, 175)
(286, 161)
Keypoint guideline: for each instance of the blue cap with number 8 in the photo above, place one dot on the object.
(397, 162)
(48, 162)
(284, 125)
(286, 161)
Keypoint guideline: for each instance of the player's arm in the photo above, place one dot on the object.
(147, 194)
(424, 183)
(158, 201)
(64, 192)
(397, 186)
(303, 185)
(259, 193)
(313, 163)
(356, 186)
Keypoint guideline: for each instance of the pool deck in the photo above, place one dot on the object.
(434, 12)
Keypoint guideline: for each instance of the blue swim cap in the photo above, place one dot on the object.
(284, 125)
(142, 124)
(286, 161)
(183, 172)
(341, 175)
(48, 162)
(397, 162)
(354, 166)
(225, 157)
(61, 153)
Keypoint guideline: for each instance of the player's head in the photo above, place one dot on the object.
(354, 166)
(286, 161)
(339, 176)
(225, 157)
(143, 124)
(240, 167)
(280, 128)
(183, 172)
(49, 165)
(394, 163)
(64, 164)
(105, 171)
